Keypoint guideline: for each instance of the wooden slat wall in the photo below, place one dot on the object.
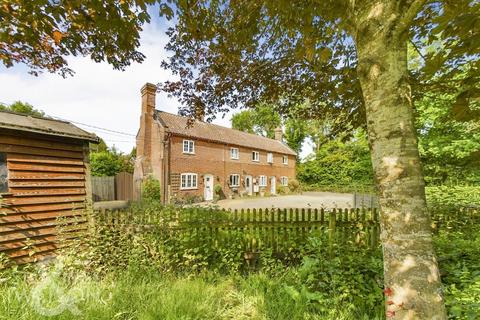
(47, 180)
(124, 186)
(103, 188)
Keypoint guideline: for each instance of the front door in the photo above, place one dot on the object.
(208, 185)
(273, 185)
(248, 185)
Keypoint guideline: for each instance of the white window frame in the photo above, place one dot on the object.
(232, 156)
(190, 146)
(284, 181)
(285, 160)
(257, 158)
(270, 157)
(262, 181)
(190, 184)
(237, 178)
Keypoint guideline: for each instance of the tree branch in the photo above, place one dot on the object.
(418, 51)
(410, 13)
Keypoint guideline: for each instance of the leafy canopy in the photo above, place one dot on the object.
(232, 54)
(109, 161)
(23, 108)
(41, 33)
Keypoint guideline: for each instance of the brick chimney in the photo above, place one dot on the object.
(279, 134)
(144, 137)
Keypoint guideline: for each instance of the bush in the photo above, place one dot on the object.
(350, 278)
(282, 189)
(151, 189)
(453, 196)
(459, 254)
(338, 163)
(218, 192)
(293, 185)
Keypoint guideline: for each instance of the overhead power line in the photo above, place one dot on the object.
(87, 125)
(95, 127)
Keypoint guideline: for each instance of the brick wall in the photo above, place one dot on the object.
(214, 158)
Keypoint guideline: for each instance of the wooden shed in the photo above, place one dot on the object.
(44, 175)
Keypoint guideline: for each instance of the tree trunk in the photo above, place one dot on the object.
(412, 280)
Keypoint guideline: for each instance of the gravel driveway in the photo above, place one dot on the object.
(305, 200)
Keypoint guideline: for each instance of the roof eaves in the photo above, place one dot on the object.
(90, 138)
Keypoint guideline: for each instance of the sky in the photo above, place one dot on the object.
(97, 96)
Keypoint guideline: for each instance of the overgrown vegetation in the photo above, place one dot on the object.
(338, 164)
(108, 161)
(151, 189)
(127, 274)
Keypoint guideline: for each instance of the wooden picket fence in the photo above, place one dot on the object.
(278, 230)
(258, 229)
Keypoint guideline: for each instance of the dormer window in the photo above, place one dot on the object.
(255, 156)
(189, 146)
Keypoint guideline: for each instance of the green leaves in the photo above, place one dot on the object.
(41, 34)
(446, 141)
(23, 108)
(339, 164)
(109, 162)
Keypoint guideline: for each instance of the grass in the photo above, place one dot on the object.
(345, 286)
(145, 294)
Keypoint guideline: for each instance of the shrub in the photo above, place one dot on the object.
(453, 196)
(218, 192)
(293, 185)
(151, 189)
(282, 189)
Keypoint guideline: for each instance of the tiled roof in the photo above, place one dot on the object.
(21, 122)
(179, 125)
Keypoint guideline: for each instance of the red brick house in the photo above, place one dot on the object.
(189, 161)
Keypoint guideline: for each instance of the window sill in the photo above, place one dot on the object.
(191, 153)
(186, 189)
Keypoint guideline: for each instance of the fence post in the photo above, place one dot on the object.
(331, 229)
(375, 228)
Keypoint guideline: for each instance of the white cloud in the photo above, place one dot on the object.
(97, 95)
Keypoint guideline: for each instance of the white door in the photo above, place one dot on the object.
(273, 185)
(248, 185)
(208, 185)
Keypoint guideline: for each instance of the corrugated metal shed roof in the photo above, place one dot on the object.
(179, 125)
(21, 122)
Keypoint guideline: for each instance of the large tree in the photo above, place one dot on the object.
(264, 119)
(349, 59)
(42, 33)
